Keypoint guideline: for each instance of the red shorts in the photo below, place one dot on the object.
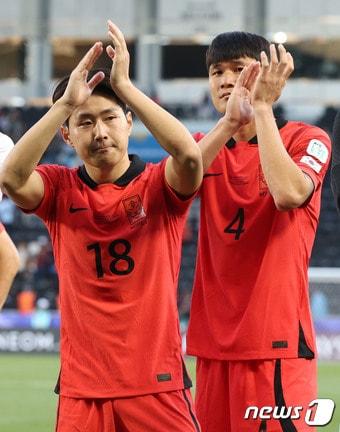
(226, 389)
(160, 412)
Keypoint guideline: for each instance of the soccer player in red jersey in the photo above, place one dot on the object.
(250, 324)
(116, 226)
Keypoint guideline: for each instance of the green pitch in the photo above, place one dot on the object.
(27, 401)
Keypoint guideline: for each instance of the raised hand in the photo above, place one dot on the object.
(78, 88)
(120, 57)
(239, 110)
(273, 76)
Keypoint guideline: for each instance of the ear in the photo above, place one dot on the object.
(129, 121)
(66, 135)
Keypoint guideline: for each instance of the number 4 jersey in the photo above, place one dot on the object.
(117, 251)
(250, 297)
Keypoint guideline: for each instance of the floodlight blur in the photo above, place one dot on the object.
(280, 37)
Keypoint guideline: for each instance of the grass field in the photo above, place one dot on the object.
(28, 404)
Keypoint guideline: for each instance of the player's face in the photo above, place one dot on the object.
(222, 79)
(99, 131)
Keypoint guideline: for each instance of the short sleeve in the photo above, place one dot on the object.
(51, 176)
(311, 151)
(176, 203)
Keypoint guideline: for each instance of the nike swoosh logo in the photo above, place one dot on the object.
(212, 175)
(76, 209)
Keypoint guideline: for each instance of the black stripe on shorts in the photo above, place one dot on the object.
(263, 426)
(192, 415)
(286, 424)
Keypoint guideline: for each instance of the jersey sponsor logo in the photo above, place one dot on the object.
(308, 160)
(134, 209)
(76, 209)
(318, 149)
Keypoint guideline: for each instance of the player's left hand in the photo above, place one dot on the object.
(273, 76)
(120, 57)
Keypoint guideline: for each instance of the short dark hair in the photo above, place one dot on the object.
(233, 45)
(103, 88)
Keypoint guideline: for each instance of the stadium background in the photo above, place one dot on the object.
(40, 41)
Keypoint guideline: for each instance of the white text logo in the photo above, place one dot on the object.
(318, 413)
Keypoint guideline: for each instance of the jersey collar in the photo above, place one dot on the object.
(136, 167)
(280, 122)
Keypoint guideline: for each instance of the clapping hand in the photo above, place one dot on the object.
(239, 110)
(78, 88)
(120, 57)
(273, 76)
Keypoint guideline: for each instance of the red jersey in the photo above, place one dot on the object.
(250, 298)
(117, 251)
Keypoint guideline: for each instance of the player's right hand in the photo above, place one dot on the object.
(239, 110)
(78, 88)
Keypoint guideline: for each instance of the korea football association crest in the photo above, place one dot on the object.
(134, 210)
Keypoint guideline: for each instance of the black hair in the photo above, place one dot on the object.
(103, 88)
(234, 45)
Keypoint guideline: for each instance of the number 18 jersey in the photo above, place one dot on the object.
(117, 252)
(250, 298)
